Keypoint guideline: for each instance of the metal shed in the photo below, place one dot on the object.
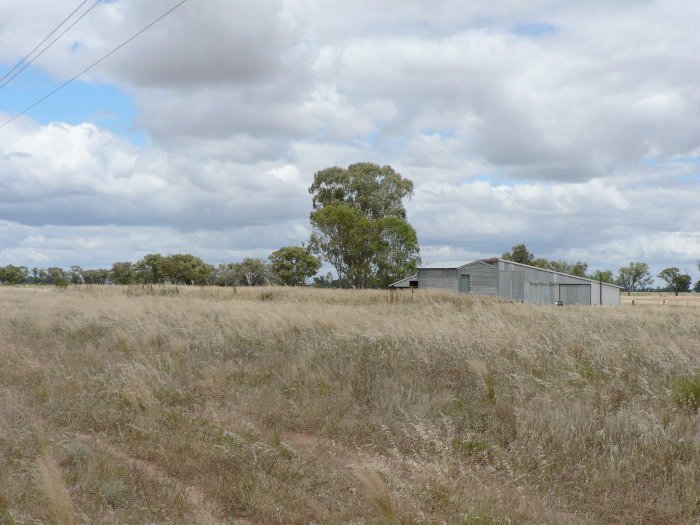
(514, 281)
(407, 282)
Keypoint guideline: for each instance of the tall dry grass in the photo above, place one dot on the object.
(59, 507)
(318, 406)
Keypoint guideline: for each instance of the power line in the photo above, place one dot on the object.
(161, 17)
(27, 64)
(45, 39)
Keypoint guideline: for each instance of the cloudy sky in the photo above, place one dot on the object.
(573, 127)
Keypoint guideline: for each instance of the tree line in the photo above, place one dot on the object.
(290, 265)
(635, 277)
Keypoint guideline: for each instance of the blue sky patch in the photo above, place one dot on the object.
(497, 180)
(443, 133)
(104, 105)
(694, 178)
(685, 160)
(534, 29)
(672, 161)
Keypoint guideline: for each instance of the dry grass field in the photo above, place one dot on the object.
(281, 406)
(661, 299)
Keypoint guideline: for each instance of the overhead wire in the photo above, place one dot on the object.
(45, 39)
(134, 36)
(30, 62)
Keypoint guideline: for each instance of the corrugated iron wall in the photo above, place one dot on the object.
(438, 279)
(519, 283)
(483, 278)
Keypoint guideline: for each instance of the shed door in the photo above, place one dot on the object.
(575, 293)
(464, 283)
(541, 293)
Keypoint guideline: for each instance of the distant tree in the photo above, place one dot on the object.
(224, 275)
(677, 281)
(249, 272)
(579, 268)
(100, 276)
(697, 286)
(39, 276)
(150, 269)
(359, 224)
(76, 274)
(123, 273)
(57, 276)
(293, 265)
(252, 272)
(11, 274)
(540, 262)
(605, 276)
(520, 254)
(343, 236)
(396, 251)
(25, 273)
(326, 281)
(559, 266)
(184, 268)
(634, 276)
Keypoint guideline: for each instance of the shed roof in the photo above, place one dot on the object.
(409, 279)
(553, 271)
(445, 265)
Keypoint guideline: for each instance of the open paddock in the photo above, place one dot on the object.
(282, 405)
(661, 299)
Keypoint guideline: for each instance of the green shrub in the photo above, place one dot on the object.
(114, 493)
(686, 392)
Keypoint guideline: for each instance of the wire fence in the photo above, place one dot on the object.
(691, 300)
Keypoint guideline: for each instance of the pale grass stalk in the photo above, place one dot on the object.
(50, 482)
(377, 491)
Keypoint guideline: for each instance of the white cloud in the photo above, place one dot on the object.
(80, 175)
(100, 246)
(572, 127)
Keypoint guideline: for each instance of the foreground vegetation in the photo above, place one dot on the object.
(280, 405)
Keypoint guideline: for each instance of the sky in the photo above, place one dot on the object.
(572, 127)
